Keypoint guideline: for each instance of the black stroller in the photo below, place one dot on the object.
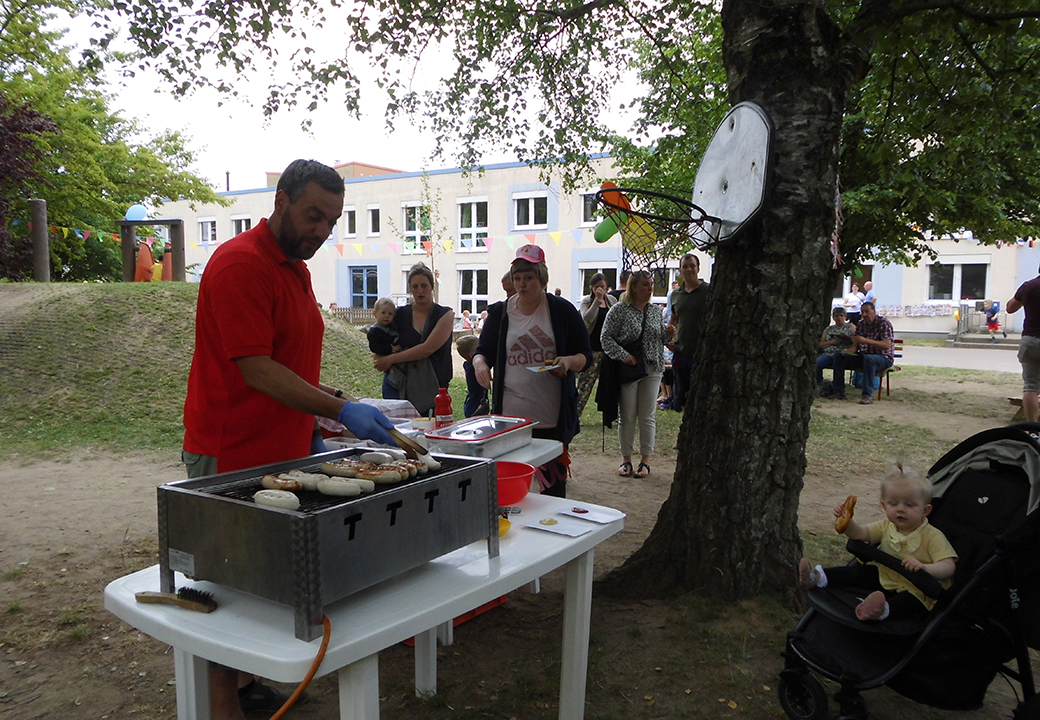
(986, 492)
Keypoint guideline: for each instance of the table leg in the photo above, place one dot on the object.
(577, 614)
(446, 633)
(426, 663)
(192, 674)
(359, 689)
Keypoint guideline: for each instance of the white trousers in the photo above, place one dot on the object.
(638, 406)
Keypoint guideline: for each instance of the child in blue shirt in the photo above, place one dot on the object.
(992, 310)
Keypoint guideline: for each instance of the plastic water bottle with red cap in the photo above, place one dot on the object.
(443, 416)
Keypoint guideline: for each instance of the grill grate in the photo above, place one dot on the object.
(312, 501)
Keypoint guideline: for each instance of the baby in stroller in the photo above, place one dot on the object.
(904, 533)
(985, 494)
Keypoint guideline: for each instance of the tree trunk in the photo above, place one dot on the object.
(730, 524)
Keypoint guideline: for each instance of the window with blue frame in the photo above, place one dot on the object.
(364, 286)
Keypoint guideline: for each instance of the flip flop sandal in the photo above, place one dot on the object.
(640, 473)
(625, 470)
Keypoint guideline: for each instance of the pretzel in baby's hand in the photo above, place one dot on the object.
(845, 518)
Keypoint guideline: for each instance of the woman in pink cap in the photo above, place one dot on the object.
(529, 331)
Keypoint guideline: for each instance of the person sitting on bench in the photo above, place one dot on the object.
(873, 348)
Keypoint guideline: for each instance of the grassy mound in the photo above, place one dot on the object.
(106, 365)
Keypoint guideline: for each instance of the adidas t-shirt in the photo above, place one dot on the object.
(530, 343)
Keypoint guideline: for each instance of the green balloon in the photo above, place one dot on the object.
(608, 228)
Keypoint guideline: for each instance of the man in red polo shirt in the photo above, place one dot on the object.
(253, 390)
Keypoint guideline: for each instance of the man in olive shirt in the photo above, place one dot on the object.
(686, 325)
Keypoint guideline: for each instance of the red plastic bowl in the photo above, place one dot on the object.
(514, 480)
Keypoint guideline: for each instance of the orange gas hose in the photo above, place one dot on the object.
(310, 673)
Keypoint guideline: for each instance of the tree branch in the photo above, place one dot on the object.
(875, 14)
(580, 11)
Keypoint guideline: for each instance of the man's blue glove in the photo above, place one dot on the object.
(318, 445)
(366, 422)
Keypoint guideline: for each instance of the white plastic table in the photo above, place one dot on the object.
(257, 636)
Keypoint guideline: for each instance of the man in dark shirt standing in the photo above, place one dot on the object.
(1028, 296)
(873, 342)
(686, 325)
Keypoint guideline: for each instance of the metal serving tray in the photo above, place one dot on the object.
(210, 529)
(482, 436)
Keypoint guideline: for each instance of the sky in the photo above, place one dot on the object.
(236, 145)
(234, 142)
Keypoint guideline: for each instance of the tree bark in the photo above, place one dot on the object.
(730, 524)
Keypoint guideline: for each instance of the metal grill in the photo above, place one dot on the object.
(210, 529)
(312, 501)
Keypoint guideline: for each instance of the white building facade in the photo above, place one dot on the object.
(467, 228)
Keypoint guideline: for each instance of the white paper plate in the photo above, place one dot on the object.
(560, 525)
(603, 516)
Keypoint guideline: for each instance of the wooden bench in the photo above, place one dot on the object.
(1020, 414)
(886, 374)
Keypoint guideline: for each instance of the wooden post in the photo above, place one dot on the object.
(177, 248)
(40, 243)
(129, 245)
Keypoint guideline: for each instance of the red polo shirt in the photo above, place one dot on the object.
(253, 300)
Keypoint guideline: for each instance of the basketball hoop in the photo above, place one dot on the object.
(654, 226)
(731, 190)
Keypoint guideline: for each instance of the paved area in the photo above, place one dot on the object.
(996, 359)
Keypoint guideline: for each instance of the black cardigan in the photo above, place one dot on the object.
(571, 337)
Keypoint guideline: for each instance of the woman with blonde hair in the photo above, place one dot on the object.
(634, 330)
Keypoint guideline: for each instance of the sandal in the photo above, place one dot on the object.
(643, 470)
(625, 470)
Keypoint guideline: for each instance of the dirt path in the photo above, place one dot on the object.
(69, 527)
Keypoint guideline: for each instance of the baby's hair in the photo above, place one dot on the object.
(466, 344)
(902, 473)
(384, 302)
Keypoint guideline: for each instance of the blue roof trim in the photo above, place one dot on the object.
(400, 175)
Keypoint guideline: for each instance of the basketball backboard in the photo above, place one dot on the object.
(732, 184)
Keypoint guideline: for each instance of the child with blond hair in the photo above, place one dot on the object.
(904, 533)
(476, 395)
(383, 338)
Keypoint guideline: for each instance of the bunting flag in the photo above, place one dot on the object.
(555, 238)
(409, 246)
(428, 247)
(509, 241)
(393, 247)
(488, 241)
(358, 246)
(194, 245)
(339, 246)
(447, 244)
(576, 234)
(531, 238)
(375, 248)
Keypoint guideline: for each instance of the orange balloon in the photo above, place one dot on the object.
(617, 199)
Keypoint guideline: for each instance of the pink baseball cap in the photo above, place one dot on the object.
(531, 253)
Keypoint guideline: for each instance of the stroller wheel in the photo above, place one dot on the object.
(802, 696)
(1029, 710)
